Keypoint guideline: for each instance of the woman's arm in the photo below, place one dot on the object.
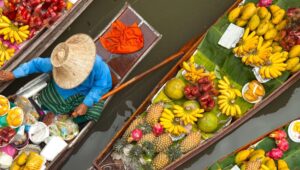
(37, 65)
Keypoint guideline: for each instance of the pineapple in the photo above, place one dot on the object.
(164, 158)
(139, 120)
(145, 127)
(253, 165)
(135, 152)
(148, 148)
(190, 142)
(119, 145)
(147, 138)
(162, 142)
(154, 113)
(160, 161)
(174, 152)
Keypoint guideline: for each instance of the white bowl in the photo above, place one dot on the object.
(41, 129)
(294, 136)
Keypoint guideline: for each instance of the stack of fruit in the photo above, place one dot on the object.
(21, 19)
(6, 134)
(259, 46)
(257, 159)
(31, 160)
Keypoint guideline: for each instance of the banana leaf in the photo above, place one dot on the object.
(212, 55)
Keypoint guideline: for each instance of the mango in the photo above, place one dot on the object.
(242, 156)
(278, 16)
(270, 34)
(291, 63)
(248, 11)
(254, 22)
(262, 28)
(240, 22)
(257, 157)
(271, 26)
(21, 160)
(281, 25)
(268, 17)
(234, 14)
(271, 164)
(258, 151)
(277, 48)
(262, 12)
(282, 164)
(296, 68)
(295, 51)
(274, 8)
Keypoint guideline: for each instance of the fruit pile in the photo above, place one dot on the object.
(31, 160)
(258, 159)
(262, 45)
(21, 19)
(175, 121)
(204, 91)
(6, 134)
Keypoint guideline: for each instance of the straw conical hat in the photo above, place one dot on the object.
(73, 61)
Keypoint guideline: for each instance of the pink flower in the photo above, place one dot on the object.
(264, 3)
(278, 134)
(282, 144)
(275, 153)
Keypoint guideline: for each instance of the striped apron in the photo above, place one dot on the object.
(51, 100)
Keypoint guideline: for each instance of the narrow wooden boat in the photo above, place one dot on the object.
(104, 159)
(44, 38)
(120, 67)
(263, 142)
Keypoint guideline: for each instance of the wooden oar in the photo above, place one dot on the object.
(142, 75)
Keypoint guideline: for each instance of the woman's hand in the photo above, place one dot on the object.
(80, 110)
(6, 75)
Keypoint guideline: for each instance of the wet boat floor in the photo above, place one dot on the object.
(178, 21)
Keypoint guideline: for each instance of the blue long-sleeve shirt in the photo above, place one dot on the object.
(96, 84)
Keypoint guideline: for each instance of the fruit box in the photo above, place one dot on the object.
(207, 52)
(267, 143)
(44, 38)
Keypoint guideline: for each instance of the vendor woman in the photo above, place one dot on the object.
(80, 79)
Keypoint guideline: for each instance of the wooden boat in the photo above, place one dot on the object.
(119, 74)
(44, 38)
(228, 160)
(104, 159)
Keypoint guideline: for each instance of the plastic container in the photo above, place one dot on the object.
(38, 132)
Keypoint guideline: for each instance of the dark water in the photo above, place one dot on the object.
(178, 21)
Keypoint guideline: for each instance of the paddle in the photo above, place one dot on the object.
(182, 51)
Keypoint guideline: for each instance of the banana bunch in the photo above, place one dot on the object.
(259, 56)
(247, 44)
(193, 73)
(225, 86)
(12, 32)
(275, 65)
(171, 123)
(227, 98)
(227, 104)
(187, 117)
(293, 63)
(5, 53)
